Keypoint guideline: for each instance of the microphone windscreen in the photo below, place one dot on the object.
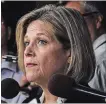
(9, 88)
(59, 85)
(65, 87)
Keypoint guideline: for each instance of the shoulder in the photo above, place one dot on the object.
(101, 60)
(99, 46)
(9, 68)
(101, 67)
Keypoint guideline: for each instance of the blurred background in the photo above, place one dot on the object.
(13, 10)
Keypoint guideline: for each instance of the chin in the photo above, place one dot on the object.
(30, 77)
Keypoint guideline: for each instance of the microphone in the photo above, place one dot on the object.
(66, 87)
(10, 88)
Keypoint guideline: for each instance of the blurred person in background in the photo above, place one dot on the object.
(9, 66)
(93, 13)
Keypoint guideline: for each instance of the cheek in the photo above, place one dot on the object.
(92, 31)
(91, 27)
(34, 73)
(52, 62)
(24, 59)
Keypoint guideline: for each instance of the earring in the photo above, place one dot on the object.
(69, 60)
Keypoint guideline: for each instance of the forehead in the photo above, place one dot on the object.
(40, 26)
(75, 5)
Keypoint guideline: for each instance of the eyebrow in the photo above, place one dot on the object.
(38, 34)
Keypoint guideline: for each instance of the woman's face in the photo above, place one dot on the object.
(43, 54)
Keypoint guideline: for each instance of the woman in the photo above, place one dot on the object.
(54, 40)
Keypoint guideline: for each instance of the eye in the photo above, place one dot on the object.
(42, 42)
(26, 44)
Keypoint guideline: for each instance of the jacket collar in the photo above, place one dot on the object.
(99, 41)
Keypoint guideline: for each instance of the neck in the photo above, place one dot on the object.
(49, 98)
(102, 31)
(4, 51)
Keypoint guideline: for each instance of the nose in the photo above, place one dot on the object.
(29, 51)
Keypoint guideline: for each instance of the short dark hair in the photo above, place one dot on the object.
(96, 6)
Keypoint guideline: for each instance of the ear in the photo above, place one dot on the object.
(9, 32)
(68, 55)
(98, 21)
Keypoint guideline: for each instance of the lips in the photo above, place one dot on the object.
(30, 64)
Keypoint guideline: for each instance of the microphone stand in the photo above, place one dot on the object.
(35, 93)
